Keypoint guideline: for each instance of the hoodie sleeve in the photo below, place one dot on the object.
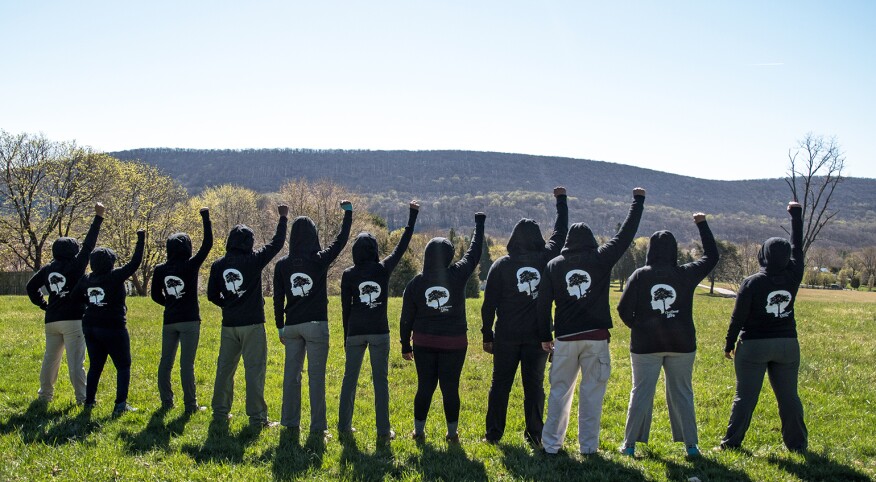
(699, 269)
(155, 290)
(466, 266)
(626, 308)
(492, 294)
(279, 297)
(33, 289)
(266, 253)
(797, 261)
(206, 245)
(544, 307)
(328, 255)
(88, 244)
(392, 260)
(741, 310)
(126, 271)
(346, 301)
(612, 251)
(408, 314)
(214, 287)
(561, 228)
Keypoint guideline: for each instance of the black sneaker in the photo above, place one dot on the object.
(121, 408)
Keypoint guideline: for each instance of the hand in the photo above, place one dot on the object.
(205, 212)
(488, 347)
(639, 191)
(480, 217)
(559, 191)
(415, 205)
(547, 346)
(730, 354)
(141, 234)
(794, 204)
(282, 340)
(699, 217)
(346, 205)
(280, 333)
(283, 210)
(408, 356)
(99, 210)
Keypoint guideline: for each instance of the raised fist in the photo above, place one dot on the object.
(346, 205)
(99, 209)
(415, 205)
(559, 191)
(480, 217)
(283, 210)
(699, 217)
(794, 205)
(141, 234)
(205, 212)
(639, 191)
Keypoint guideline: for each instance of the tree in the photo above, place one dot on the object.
(404, 271)
(94, 294)
(662, 294)
(437, 295)
(868, 264)
(815, 170)
(779, 300)
(55, 280)
(174, 283)
(729, 268)
(369, 290)
(486, 261)
(578, 279)
(301, 282)
(234, 279)
(528, 277)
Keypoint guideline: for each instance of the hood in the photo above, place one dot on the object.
(580, 238)
(365, 249)
(303, 239)
(65, 248)
(179, 247)
(774, 255)
(525, 238)
(439, 254)
(662, 250)
(102, 260)
(241, 238)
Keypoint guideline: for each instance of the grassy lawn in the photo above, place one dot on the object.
(61, 442)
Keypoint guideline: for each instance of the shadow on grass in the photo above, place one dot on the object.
(449, 464)
(156, 434)
(703, 468)
(815, 466)
(221, 445)
(291, 459)
(358, 465)
(528, 464)
(55, 427)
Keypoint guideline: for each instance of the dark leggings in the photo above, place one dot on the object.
(436, 367)
(102, 343)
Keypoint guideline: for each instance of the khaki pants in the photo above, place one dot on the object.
(61, 335)
(184, 335)
(310, 339)
(592, 359)
(250, 342)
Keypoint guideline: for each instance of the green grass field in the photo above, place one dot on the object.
(61, 442)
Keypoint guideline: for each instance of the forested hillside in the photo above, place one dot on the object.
(454, 184)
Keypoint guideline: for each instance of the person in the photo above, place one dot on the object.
(764, 322)
(433, 317)
(577, 281)
(364, 295)
(510, 299)
(63, 318)
(301, 314)
(235, 285)
(175, 287)
(657, 305)
(104, 322)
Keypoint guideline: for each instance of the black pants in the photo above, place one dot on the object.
(436, 367)
(532, 360)
(102, 343)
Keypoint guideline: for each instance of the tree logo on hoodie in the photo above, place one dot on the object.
(95, 296)
(777, 302)
(437, 297)
(577, 283)
(233, 281)
(662, 297)
(57, 281)
(301, 284)
(174, 286)
(368, 292)
(527, 281)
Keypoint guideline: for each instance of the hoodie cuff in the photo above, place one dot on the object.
(729, 346)
(412, 216)
(639, 198)
(488, 336)
(406, 347)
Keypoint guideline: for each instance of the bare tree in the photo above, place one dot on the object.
(815, 169)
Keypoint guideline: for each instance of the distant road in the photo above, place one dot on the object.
(721, 291)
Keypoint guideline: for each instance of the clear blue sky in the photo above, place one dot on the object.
(717, 90)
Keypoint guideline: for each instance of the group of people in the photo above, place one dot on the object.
(543, 301)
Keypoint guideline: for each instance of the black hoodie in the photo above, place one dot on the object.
(61, 274)
(512, 284)
(765, 303)
(434, 300)
(235, 282)
(364, 285)
(300, 278)
(103, 290)
(578, 279)
(175, 283)
(658, 300)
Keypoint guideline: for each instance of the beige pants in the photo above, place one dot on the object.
(250, 342)
(60, 335)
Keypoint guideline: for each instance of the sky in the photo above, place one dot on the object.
(716, 90)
